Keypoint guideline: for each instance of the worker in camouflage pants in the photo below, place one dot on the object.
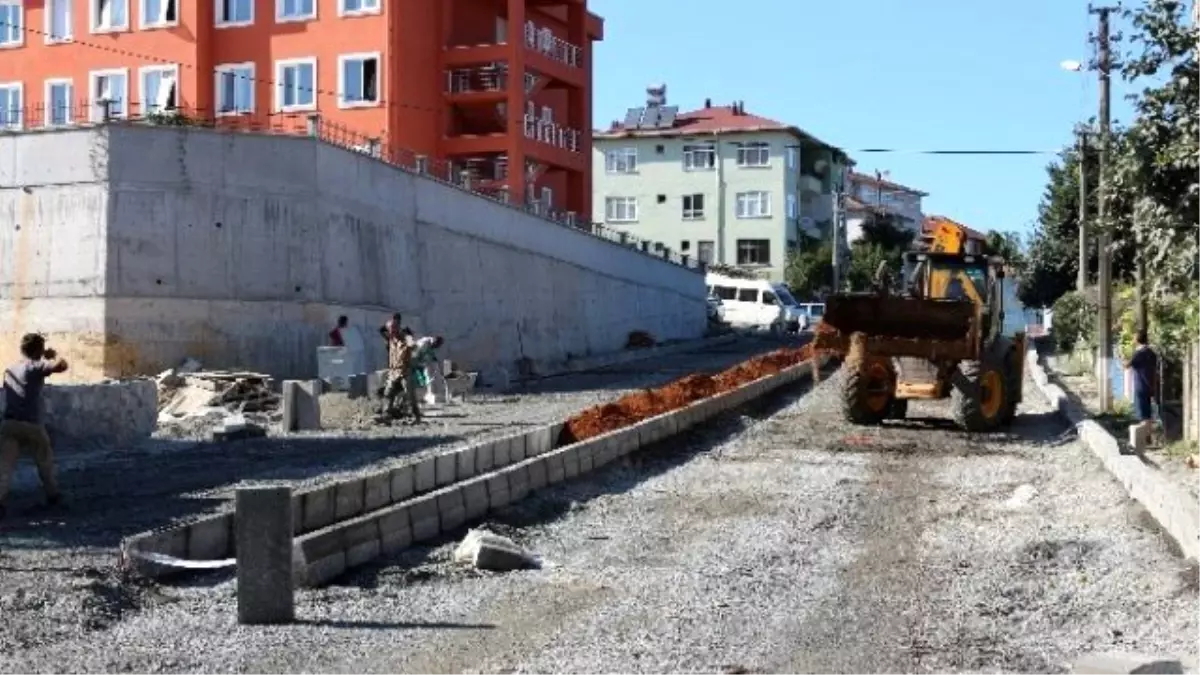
(401, 382)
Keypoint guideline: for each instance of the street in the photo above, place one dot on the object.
(779, 540)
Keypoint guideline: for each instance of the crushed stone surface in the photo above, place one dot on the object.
(775, 540)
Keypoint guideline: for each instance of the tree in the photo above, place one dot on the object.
(810, 269)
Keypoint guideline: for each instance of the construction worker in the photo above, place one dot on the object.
(399, 382)
(395, 328)
(22, 425)
(1144, 364)
(336, 339)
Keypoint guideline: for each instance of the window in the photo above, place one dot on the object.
(547, 114)
(747, 295)
(58, 21)
(705, 251)
(793, 158)
(109, 15)
(725, 292)
(548, 197)
(754, 204)
(295, 10)
(768, 298)
(296, 83)
(58, 102)
(501, 30)
(358, 80)
(355, 7)
(621, 209)
(11, 105)
(621, 161)
(753, 154)
(158, 88)
(235, 88)
(12, 23)
(685, 245)
(792, 211)
(159, 13)
(109, 93)
(693, 206)
(235, 12)
(699, 157)
(753, 252)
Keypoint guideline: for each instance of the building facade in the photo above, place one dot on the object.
(718, 183)
(422, 77)
(870, 196)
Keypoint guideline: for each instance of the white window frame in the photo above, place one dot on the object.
(50, 84)
(792, 207)
(365, 11)
(219, 23)
(737, 252)
(280, 65)
(280, 17)
(793, 158)
(19, 5)
(693, 213)
(341, 80)
(20, 121)
(146, 23)
(753, 204)
(48, 11)
(159, 108)
(94, 16)
(93, 93)
(630, 205)
(754, 155)
(621, 160)
(694, 150)
(218, 74)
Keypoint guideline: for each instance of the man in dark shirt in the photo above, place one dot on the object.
(22, 424)
(335, 336)
(1144, 364)
(395, 329)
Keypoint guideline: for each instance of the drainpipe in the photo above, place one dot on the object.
(720, 161)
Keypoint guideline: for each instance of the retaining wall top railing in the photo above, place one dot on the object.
(33, 119)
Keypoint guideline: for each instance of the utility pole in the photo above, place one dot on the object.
(835, 232)
(1081, 278)
(1104, 231)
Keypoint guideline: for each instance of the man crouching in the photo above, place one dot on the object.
(22, 424)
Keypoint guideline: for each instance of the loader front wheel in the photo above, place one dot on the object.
(867, 392)
(980, 396)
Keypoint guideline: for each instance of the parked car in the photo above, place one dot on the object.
(755, 303)
(716, 309)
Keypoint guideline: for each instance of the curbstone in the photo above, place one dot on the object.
(211, 538)
(518, 482)
(538, 442)
(425, 475)
(445, 468)
(452, 509)
(586, 453)
(465, 463)
(377, 491)
(556, 471)
(402, 483)
(485, 457)
(501, 452)
(425, 521)
(497, 489)
(395, 530)
(319, 508)
(348, 498)
(360, 540)
(297, 513)
(570, 458)
(517, 451)
(538, 474)
(475, 498)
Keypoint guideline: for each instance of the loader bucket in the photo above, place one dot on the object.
(901, 317)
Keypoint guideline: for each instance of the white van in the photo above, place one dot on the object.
(756, 303)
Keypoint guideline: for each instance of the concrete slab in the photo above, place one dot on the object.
(465, 463)
(377, 491)
(403, 485)
(319, 507)
(211, 538)
(349, 496)
(445, 468)
(425, 475)
(485, 457)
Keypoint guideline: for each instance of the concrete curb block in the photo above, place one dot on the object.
(1171, 507)
(317, 558)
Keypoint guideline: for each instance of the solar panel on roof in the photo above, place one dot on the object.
(667, 118)
(650, 120)
(633, 117)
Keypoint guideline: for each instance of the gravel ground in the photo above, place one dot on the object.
(781, 540)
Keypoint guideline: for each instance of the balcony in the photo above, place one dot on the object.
(547, 132)
(486, 79)
(545, 42)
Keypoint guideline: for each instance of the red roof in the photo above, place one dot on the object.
(716, 119)
(885, 184)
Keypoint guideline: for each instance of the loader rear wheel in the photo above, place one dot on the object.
(980, 396)
(867, 392)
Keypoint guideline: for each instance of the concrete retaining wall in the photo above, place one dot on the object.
(138, 246)
(351, 522)
(108, 413)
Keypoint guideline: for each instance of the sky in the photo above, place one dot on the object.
(904, 74)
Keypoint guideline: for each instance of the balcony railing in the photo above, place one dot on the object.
(544, 41)
(550, 133)
(483, 79)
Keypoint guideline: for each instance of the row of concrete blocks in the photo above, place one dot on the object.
(211, 537)
(321, 556)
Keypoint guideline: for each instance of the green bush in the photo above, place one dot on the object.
(1074, 321)
(1172, 321)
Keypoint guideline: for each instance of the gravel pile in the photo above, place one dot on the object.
(777, 541)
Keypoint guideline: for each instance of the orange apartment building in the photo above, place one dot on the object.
(485, 84)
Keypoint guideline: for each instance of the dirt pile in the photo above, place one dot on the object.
(633, 408)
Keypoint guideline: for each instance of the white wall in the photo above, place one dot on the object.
(242, 249)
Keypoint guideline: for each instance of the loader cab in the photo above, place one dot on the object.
(952, 276)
